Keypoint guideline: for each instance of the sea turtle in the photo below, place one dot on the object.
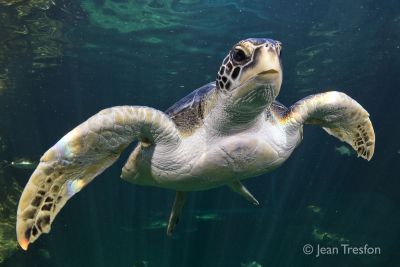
(220, 134)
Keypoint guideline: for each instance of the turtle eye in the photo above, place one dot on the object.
(238, 55)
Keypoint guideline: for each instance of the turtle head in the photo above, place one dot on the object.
(251, 73)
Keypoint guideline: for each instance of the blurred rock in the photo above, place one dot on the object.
(251, 264)
(10, 192)
(328, 238)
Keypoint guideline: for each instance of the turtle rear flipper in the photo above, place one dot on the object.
(80, 156)
(180, 198)
(339, 115)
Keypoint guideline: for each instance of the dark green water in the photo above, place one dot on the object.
(61, 63)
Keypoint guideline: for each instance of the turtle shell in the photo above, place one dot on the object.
(188, 113)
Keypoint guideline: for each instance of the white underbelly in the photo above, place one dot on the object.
(233, 158)
(205, 163)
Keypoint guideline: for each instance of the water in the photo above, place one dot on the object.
(62, 62)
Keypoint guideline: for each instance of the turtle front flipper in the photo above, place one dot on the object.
(80, 156)
(339, 115)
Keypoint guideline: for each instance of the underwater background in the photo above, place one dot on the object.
(63, 61)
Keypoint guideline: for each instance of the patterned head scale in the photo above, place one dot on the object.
(242, 58)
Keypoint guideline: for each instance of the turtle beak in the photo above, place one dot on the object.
(266, 70)
(269, 62)
(270, 70)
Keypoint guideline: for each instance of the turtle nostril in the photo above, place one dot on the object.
(274, 49)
